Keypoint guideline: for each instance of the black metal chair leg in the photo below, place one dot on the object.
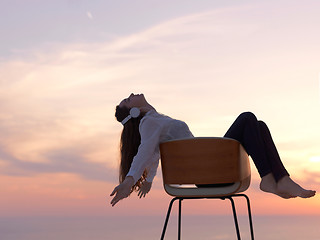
(250, 217)
(167, 218)
(249, 213)
(179, 219)
(235, 217)
(230, 197)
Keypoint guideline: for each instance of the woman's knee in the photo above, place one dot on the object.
(262, 123)
(248, 116)
(263, 126)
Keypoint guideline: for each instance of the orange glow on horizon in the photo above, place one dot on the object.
(67, 194)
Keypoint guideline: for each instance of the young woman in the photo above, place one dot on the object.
(145, 129)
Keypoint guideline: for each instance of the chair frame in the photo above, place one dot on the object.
(181, 168)
(230, 197)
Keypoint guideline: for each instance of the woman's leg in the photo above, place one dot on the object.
(277, 168)
(246, 130)
(255, 137)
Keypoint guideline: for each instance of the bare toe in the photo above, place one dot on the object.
(288, 186)
(307, 194)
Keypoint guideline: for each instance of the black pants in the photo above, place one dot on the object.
(255, 137)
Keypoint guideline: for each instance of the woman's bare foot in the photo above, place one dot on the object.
(268, 184)
(288, 186)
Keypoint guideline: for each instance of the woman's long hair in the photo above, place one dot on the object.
(129, 144)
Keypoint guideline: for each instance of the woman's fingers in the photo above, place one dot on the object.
(114, 191)
(145, 188)
(121, 191)
(114, 201)
(117, 198)
(142, 194)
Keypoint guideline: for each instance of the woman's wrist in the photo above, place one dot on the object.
(129, 180)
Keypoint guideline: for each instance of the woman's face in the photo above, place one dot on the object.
(134, 100)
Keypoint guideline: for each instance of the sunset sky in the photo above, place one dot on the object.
(66, 64)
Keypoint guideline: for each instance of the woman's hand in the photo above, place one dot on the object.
(145, 188)
(122, 191)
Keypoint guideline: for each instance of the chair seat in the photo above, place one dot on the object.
(190, 190)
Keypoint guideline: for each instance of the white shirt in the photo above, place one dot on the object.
(155, 128)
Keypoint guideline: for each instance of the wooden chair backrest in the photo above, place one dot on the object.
(203, 161)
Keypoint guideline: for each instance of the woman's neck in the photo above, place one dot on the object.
(146, 108)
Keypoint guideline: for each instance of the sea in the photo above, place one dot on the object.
(150, 227)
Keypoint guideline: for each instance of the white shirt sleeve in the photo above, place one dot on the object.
(150, 131)
(153, 169)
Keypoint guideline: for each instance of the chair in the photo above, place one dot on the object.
(211, 168)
